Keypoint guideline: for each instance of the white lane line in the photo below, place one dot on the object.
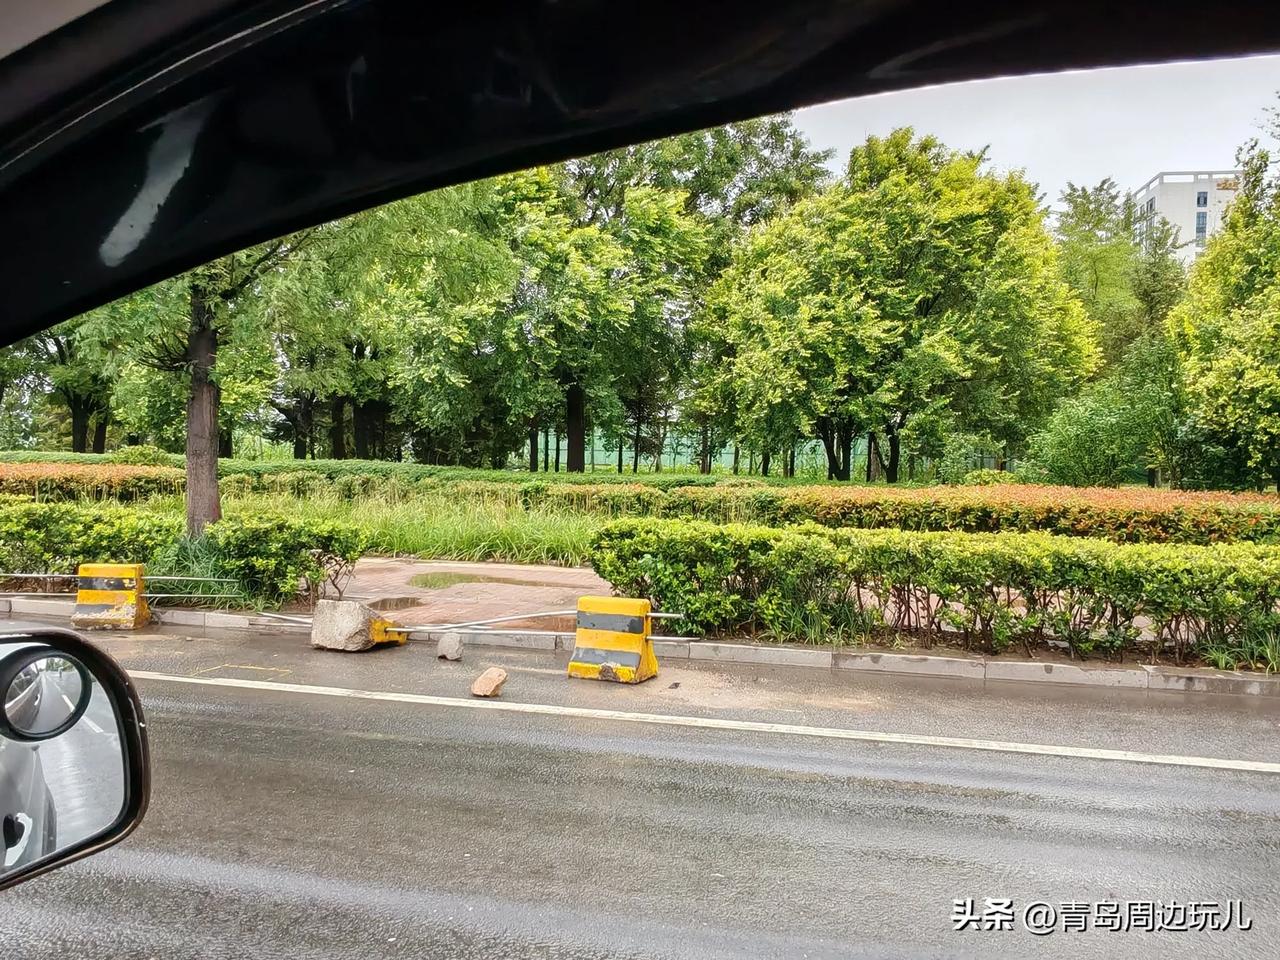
(72, 707)
(715, 723)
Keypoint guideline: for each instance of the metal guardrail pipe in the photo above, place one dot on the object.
(192, 579)
(283, 616)
(190, 596)
(485, 632)
(518, 616)
(481, 623)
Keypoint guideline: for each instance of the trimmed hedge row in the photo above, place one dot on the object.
(335, 469)
(273, 558)
(57, 537)
(985, 591)
(96, 481)
(1129, 515)
(1133, 515)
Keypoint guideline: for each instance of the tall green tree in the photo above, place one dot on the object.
(1227, 328)
(72, 358)
(1120, 263)
(730, 177)
(922, 288)
(197, 344)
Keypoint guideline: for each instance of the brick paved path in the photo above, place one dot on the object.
(473, 591)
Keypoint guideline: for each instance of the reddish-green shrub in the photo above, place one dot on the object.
(88, 481)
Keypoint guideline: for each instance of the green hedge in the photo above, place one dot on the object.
(983, 591)
(272, 558)
(1126, 516)
(57, 537)
(335, 469)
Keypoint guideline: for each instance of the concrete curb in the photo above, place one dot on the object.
(975, 669)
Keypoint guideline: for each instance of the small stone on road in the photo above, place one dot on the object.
(449, 647)
(489, 683)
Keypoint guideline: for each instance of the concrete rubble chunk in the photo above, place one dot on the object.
(449, 647)
(342, 625)
(489, 683)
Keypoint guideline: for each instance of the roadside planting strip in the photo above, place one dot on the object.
(715, 723)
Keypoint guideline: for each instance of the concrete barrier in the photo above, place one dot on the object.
(348, 626)
(612, 641)
(110, 597)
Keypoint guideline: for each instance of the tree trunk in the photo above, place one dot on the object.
(871, 457)
(736, 455)
(895, 457)
(533, 445)
(100, 434)
(203, 506)
(225, 440)
(635, 452)
(546, 450)
(299, 442)
(704, 452)
(361, 431)
(575, 422)
(1152, 478)
(338, 429)
(764, 462)
(378, 441)
(791, 462)
(836, 436)
(557, 449)
(79, 426)
(620, 452)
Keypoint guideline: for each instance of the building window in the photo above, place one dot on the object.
(1202, 228)
(1202, 198)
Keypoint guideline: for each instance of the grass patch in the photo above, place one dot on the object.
(432, 526)
(438, 581)
(200, 562)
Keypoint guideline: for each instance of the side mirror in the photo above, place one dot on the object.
(74, 769)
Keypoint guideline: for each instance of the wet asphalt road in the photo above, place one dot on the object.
(286, 825)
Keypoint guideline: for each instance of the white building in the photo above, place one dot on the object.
(1194, 201)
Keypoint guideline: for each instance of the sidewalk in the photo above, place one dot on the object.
(459, 592)
(464, 592)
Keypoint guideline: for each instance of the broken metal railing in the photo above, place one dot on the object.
(480, 627)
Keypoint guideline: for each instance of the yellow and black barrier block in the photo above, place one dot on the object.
(110, 597)
(382, 630)
(612, 640)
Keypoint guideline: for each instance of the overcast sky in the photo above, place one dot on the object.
(1127, 123)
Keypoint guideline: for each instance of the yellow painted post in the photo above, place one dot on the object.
(110, 597)
(612, 640)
